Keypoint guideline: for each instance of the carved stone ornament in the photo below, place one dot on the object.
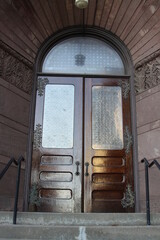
(128, 140)
(33, 197)
(125, 85)
(15, 69)
(37, 137)
(129, 199)
(148, 59)
(147, 75)
(15, 54)
(34, 200)
(41, 83)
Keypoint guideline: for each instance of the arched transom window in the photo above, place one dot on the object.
(83, 55)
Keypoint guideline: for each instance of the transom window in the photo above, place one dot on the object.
(83, 55)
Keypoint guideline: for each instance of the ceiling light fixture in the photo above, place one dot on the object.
(81, 3)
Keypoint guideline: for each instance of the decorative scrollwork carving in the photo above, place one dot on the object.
(148, 59)
(15, 69)
(33, 197)
(128, 140)
(41, 83)
(1, 61)
(125, 85)
(147, 75)
(129, 199)
(15, 54)
(37, 137)
(140, 80)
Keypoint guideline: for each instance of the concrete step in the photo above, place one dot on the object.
(80, 232)
(79, 226)
(79, 219)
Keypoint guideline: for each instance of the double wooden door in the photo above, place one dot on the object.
(82, 159)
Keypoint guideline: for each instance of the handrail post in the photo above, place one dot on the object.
(147, 194)
(17, 189)
(147, 190)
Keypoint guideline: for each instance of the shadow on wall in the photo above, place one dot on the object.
(15, 90)
(148, 128)
(8, 188)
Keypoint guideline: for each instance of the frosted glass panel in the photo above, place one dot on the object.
(83, 55)
(107, 125)
(58, 116)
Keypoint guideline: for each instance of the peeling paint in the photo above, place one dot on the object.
(153, 9)
(82, 234)
(156, 152)
(156, 124)
(143, 32)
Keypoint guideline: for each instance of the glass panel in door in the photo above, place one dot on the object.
(58, 118)
(107, 122)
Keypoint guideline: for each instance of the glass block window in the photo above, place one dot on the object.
(83, 55)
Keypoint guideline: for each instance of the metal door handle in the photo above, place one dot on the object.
(87, 165)
(77, 173)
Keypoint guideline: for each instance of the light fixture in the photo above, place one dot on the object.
(81, 3)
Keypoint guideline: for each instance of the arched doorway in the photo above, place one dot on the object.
(82, 157)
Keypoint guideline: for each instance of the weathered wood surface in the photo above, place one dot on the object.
(26, 24)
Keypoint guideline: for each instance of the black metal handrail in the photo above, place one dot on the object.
(148, 165)
(18, 163)
(156, 163)
(12, 160)
(20, 159)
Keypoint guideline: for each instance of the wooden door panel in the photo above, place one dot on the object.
(108, 161)
(107, 170)
(107, 178)
(110, 166)
(54, 168)
(57, 205)
(57, 160)
(98, 182)
(107, 206)
(107, 187)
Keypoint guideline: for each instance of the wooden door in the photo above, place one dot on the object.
(82, 155)
(108, 177)
(57, 150)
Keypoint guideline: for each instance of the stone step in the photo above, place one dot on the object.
(79, 232)
(79, 219)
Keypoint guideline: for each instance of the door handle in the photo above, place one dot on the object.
(87, 165)
(77, 173)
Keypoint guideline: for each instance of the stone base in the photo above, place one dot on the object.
(79, 226)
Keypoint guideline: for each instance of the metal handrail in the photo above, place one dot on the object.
(18, 163)
(148, 165)
(20, 159)
(144, 160)
(12, 160)
(156, 163)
